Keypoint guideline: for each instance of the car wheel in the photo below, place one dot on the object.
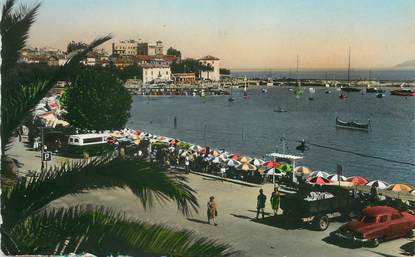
(322, 222)
(411, 233)
(374, 243)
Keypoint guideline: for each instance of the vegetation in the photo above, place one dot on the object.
(28, 228)
(174, 52)
(96, 100)
(75, 46)
(223, 71)
(189, 65)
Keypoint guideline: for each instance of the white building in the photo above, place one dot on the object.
(211, 62)
(125, 47)
(155, 72)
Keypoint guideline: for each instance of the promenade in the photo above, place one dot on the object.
(236, 217)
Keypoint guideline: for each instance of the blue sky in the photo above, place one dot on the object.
(244, 34)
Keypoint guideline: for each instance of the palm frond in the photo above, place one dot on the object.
(148, 182)
(105, 232)
(14, 30)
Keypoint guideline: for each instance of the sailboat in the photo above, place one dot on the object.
(311, 91)
(230, 99)
(298, 91)
(349, 88)
(245, 93)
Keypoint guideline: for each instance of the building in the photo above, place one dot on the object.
(212, 62)
(155, 73)
(136, 47)
(125, 47)
(185, 78)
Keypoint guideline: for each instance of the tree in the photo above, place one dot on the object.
(189, 65)
(224, 71)
(97, 100)
(28, 229)
(174, 52)
(75, 46)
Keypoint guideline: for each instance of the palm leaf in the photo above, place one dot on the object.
(105, 232)
(148, 182)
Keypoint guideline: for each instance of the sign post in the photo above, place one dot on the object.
(46, 157)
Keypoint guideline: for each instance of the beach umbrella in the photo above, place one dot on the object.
(319, 173)
(216, 160)
(285, 167)
(245, 166)
(336, 178)
(357, 180)
(235, 157)
(257, 162)
(245, 159)
(301, 170)
(273, 171)
(224, 157)
(173, 141)
(272, 164)
(318, 180)
(233, 163)
(400, 188)
(413, 192)
(378, 183)
(215, 153)
(208, 158)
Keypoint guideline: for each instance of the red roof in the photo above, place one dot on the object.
(209, 58)
(376, 210)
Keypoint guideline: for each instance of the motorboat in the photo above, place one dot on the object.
(403, 92)
(352, 125)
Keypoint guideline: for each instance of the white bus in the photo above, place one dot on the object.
(91, 144)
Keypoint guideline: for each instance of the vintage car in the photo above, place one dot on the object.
(378, 223)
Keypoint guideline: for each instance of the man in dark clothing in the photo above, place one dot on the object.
(261, 199)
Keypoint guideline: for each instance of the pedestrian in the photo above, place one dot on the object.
(275, 200)
(19, 134)
(36, 144)
(374, 193)
(212, 210)
(187, 163)
(261, 199)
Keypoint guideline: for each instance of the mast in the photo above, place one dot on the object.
(348, 69)
(298, 79)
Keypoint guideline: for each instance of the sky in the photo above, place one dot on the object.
(261, 34)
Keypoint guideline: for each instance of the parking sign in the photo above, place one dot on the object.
(47, 156)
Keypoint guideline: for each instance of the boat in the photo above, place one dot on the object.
(230, 99)
(328, 91)
(264, 90)
(352, 125)
(380, 95)
(245, 93)
(403, 92)
(311, 91)
(374, 90)
(348, 87)
(342, 96)
(280, 109)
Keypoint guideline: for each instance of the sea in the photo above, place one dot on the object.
(251, 127)
(391, 74)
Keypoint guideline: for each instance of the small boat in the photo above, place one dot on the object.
(380, 95)
(350, 89)
(403, 92)
(280, 109)
(374, 90)
(328, 91)
(343, 96)
(311, 98)
(264, 90)
(352, 125)
(291, 89)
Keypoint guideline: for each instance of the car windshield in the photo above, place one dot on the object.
(368, 219)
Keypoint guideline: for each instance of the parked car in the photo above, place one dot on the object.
(378, 223)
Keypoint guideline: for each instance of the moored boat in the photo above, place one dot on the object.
(403, 92)
(352, 125)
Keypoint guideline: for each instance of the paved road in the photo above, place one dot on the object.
(237, 226)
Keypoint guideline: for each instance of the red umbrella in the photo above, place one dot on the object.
(318, 180)
(272, 164)
(173, 142)
(358, 180)
(235, 157)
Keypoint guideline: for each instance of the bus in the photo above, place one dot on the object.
(88, 145)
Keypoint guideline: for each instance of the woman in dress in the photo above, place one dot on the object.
(212, 211)
(275, 200)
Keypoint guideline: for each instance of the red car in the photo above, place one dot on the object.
(378, 223)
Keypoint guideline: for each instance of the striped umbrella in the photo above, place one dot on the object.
(319, 173)
(357, 180)
(318, 180)
(400, 188)
(337, 178)
(247, 167)
(302, 170)
(245, 159)
(257, 162)
(233, 163)
(378, 183)
(272, 164)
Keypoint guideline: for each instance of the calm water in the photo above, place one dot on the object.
(338, 74)
(252, 127)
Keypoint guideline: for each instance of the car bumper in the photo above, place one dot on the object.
(350, 238)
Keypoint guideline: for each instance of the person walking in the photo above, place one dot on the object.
(187, 163)
(212, 211)
(261, 199)
(275, 200)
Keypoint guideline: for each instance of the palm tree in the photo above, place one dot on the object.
(30, 227)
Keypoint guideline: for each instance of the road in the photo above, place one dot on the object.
(237, 225)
